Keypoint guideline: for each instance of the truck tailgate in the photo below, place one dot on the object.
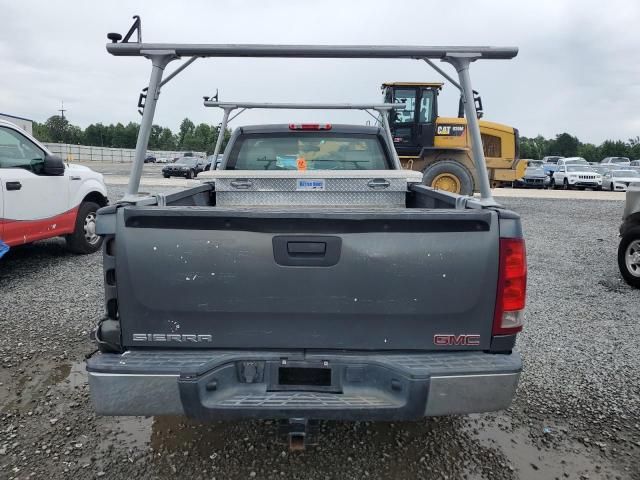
(310, 278)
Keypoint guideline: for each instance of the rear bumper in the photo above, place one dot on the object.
(585, 183)
(239, 384)
(534, 182)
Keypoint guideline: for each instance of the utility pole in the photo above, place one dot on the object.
(62, 109)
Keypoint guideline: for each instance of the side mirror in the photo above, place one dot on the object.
(53, 165)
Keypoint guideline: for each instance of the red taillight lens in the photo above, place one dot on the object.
(512, 287)
(309, 126)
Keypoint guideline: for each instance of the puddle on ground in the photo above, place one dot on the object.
(175, 433)
(59, 373)
(69, 374)
(533, 463)
(37, 381)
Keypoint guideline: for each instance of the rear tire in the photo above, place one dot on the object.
(189, 174)
(450, 176)
(628, 250)
(565, 184)
(84, 239)
(165, 176)
(553, 185)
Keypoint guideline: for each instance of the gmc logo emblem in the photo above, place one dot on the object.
(457, 340)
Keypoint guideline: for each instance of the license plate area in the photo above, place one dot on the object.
(304, 376)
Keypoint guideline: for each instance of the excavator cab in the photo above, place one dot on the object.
(440, 147)
(414, 127)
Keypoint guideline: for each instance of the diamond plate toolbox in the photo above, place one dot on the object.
(371, 188)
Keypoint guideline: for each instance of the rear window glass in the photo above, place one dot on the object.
(307, 151)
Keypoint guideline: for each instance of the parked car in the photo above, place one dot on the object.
(572, 161)
(162, 160)
(188, 167)
(534, 176)
(601, 169)
(150, 159)
(635, 163)
(41, 197)
(550, 164)
(629, 247)
(576, 176)
(619, 180)
(617, 161)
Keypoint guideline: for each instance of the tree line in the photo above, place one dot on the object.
(200, 138)
(567, 145)
(203, 137)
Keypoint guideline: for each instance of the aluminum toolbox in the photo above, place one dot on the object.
(370, 188)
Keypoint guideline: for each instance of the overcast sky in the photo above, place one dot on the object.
(578, 69)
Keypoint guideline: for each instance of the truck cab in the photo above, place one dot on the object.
(42, 197)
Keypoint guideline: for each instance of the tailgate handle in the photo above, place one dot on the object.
(242, 184)
(306, 251)
(306, 248)
(379, 183)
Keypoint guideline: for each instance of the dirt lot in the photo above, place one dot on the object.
(575, 415)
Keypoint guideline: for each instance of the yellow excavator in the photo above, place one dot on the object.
(440, 147)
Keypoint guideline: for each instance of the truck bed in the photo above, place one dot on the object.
(307, 312)
(240, 277)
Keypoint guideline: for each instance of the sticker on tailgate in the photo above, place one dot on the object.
(307, 185)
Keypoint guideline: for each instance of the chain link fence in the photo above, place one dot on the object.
(84, 153)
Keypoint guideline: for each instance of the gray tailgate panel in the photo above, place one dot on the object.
(393, 287)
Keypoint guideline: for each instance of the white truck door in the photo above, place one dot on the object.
(36, 205)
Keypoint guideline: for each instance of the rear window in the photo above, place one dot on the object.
(308, 151)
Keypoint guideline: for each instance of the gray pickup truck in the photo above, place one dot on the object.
(310, 278)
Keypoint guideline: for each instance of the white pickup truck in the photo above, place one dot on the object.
(41, 197)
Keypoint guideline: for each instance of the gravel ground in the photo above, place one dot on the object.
(575, 415)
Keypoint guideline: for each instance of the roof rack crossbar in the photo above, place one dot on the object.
(161, 54)
(131, 49)
(382, 108)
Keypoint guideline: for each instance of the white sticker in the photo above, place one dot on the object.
(309, 184)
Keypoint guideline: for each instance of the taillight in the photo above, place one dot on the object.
(309, 126)
(512, 287)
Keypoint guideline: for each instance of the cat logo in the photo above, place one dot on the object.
(452, 130)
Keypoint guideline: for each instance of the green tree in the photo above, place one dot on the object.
(589, 152)
(187, 128)
(167, 140)
(565, 145)
(95, 135)
(41, 132)
(74, 135)
(57, 128)
(154, 137)
(131, 135)
(610, 148)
